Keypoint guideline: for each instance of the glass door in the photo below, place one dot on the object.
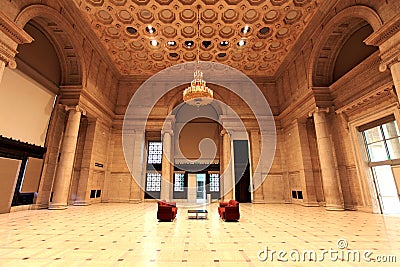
(201, 188)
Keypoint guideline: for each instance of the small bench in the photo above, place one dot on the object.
(197, 214)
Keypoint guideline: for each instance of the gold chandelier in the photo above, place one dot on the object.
(198, 94)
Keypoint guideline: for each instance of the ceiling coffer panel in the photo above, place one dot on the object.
(144, 36)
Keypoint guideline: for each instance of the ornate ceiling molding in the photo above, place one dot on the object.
(123, 29)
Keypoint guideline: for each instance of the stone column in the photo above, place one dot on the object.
(137, 171)
(258, 194)
(331, 184)
(226, 177)
(63, 177)
(86, 173)
(395, 71)
(306, 168)
(167, 163)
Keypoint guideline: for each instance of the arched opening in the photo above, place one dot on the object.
(28, 95)
(197, 153)
(353, 52)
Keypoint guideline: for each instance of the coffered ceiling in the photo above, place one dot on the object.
(143, 36)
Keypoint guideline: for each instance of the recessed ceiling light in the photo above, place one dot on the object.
(154, 42)
(224, 43)
(241, 43)
(171, 43)
(245, 29)
(221, 54)
(264, 30)
(189, 44)
(150, 29)
(206, 44)
(131, 30)
(173, 54)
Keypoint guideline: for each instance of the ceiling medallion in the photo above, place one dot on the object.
(198, 94)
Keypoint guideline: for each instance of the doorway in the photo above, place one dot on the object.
(242, 170)
(382, 142)
(197, 188)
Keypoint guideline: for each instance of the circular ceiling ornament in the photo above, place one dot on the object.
(278, 2)
(249, 66)
(166, 16)
(112, 32)
(275, 46)
(142, 55)
(145, 16)
(164, 2)
(282, 32)
(252, 56)
(187, 16)
(189, 56)
(118, 2)
(250, 16)
(119, 45)
(269, 57)
(209, 16)
(271, 16)
(229, 16)
(292, 16)
(226, 32)
(206, 56)
(301, 3)
(157, 56)
(258, 45)
(237, 56)
(188, 31)
(255, 2)
(104, 17)
(169, 32)
(124, 16)
(136, 45)
(207, 32)
(124, 55)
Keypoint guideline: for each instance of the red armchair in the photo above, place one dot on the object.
(166, 210)
(229, 211)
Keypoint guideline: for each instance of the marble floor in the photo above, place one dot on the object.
(130, 235)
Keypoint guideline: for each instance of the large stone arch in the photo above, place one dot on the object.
(334, 35)
(64, 37)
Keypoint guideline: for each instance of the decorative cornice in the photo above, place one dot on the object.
(16, 36)
(13, 31)
(390, 49)
(384, 33)
(386, 89)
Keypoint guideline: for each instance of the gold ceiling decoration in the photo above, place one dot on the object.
(145, 36)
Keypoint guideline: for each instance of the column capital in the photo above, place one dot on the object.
(11, 36)
(389, 58)
(319, 110)
(77, 108)
(168, 126)
(223, 132)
